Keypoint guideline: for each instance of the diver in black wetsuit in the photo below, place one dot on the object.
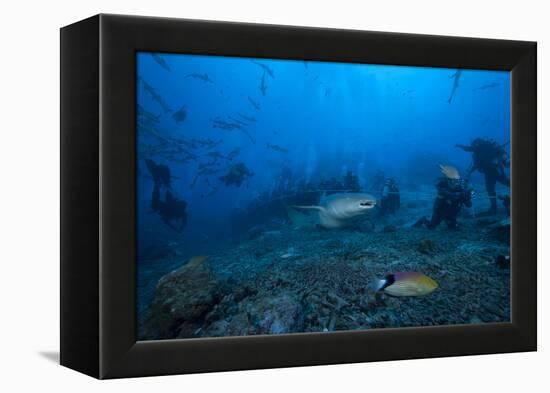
(160, 173)
(505, 202)
(171, 210)
(390, 199)
(237, 174)
(490, 159)
(351, 182)
(331, 186)
(452, 194)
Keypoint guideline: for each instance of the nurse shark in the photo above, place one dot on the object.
(340, 210)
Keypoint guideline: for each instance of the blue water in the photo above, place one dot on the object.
(327, 119)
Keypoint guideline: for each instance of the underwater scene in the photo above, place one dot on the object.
(286, 196)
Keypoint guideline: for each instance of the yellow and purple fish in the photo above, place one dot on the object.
(406, 284)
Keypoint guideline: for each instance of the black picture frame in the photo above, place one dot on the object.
(98, 250)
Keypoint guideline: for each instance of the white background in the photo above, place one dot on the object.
(29, 197)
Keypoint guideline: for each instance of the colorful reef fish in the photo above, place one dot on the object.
(406, 284)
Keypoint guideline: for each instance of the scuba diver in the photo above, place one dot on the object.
(351, 182)
(505, 202)
(452, 193)
(160, 173)
(237, 174)
(378, 180)
(331, 186)
(171, 210)
(490, 159)
(390, 199)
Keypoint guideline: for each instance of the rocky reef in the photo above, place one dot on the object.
(182, 299)
(290, 279)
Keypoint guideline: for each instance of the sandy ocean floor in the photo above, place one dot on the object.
(288, 279)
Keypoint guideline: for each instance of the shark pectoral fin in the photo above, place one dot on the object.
(297, 218)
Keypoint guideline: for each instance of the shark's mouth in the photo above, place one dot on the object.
(368, 204)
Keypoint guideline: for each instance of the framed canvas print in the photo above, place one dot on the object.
(240, 196)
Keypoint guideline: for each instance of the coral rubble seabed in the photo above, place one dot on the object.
(313, 280)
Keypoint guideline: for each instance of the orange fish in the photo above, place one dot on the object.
(406, 284)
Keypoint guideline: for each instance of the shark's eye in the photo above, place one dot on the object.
(368, 203)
